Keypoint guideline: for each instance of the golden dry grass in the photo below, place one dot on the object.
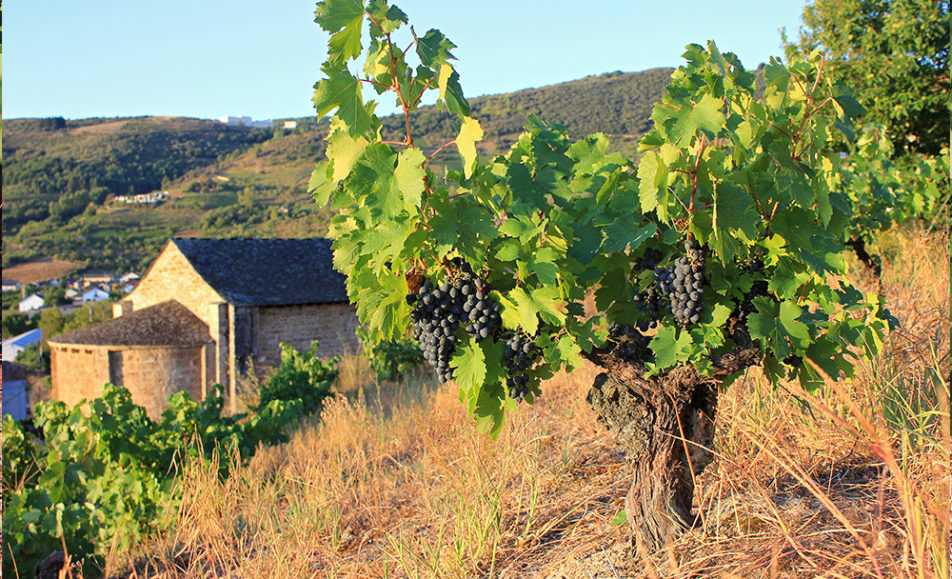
(40, 270)
(397, 483)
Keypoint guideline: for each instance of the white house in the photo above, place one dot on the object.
(245, 122)
(10, 285)
(129, 277)
(13, 346)
(290, 124)
(72, 294)
(96, 294)
(15, 400)
(30, 303)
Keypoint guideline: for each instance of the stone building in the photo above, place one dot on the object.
(204, 309)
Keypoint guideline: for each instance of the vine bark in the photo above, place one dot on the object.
(665, 425)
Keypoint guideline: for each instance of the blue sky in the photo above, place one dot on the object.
(208, 58)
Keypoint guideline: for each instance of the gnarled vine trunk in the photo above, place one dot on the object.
(665, 425)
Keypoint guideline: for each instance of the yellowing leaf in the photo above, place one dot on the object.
(469, 134)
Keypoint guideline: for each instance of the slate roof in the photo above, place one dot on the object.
(13, 371)
(27, 338)
(164, 324)
(267, 272)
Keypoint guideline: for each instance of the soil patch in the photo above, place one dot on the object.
(42, 270)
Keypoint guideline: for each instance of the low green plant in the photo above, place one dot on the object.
(391, 359)
(302, 377)
(101, 474)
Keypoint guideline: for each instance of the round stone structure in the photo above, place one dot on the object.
(154, 352)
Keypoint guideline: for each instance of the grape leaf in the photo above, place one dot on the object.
(341, 91)
(469, 133)
(469, 364)
(409, 175)
(387, 18)
(669, 347)
(778, 326)
(451, 93)
(434, 48)
(332, 15)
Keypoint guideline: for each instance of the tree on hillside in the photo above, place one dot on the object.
(895, 56)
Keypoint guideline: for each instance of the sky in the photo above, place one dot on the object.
(210, 58)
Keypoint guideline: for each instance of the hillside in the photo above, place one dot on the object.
(61, 176)
(400, 484)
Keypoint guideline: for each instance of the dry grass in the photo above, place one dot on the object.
(397, 483)
(40, 270)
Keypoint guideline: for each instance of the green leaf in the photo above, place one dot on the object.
(733, 213)
(620, 519)
(345, 45)
(542, 303)
(625, 233)
(320, 184)
(469, 364)
(410, 176)
(469, 133)
(777, 325)
(388, 18)
(669, 347)
(451, 93)
(332, 15)
(341, 91)
(508, 250)
(706, 116)
(434, 48)
(343, 150)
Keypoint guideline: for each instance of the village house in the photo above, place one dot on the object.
(96, 294)
(203, 312)
(11, 285)
(13, 346)
(31, 303)
(16, 402)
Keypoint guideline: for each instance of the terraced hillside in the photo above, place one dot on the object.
(61, 177)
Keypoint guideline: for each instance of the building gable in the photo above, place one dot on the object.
(172, 277)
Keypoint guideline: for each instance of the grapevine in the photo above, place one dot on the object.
(721, 248)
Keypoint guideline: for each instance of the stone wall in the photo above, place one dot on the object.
(332, 325)
(78, 372)
(150, 373)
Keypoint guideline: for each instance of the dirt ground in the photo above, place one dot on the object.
(37, 271)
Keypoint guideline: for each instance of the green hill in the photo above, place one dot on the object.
(61, 177)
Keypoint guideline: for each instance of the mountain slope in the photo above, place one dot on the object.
(60, 177)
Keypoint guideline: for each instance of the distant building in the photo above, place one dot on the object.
(13, 346)
(96, 294)
(245, 122)
(153, 198)
(97, 276)
(290, 125)
(31, 303)
(72, 294)
(16, 403)
(203, 312)
(10, 285)
(129, 277)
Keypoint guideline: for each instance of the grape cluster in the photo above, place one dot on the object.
(649, 300)
(439, 312)
(752, 266)
(683, 284)
(518, 357)
(435, 317)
